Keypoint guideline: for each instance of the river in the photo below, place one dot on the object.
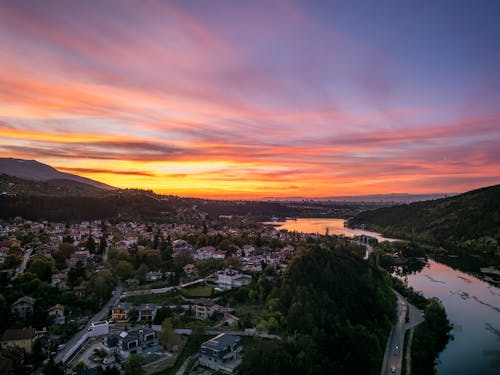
(472, 305)
(334, 226)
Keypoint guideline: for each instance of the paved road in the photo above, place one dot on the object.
(99, 316)
(393, 357)
(22, 267)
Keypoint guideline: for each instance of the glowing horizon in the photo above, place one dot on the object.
(255, 99)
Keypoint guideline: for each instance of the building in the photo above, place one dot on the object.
(147, 312)
(121, 311)
(154, 276)
(11, 361)
(369, 240)
(58, 279)
(189, 269)
(99, 328)
(79, 258)
(80, 290)
(57, 314)
(134, 341)
(221, 353)
(230, 278)
(219, 254)
(24, 307)
(21, 338)
(204, 253)
(204, 308)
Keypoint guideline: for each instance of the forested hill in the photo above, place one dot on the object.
(466, 223)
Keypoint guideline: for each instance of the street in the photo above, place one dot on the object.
(69, 348)
(393, 357)
(22, 267)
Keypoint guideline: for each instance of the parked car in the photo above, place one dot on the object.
(109, 360)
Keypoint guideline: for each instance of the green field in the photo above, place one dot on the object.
(203, 291)
(168, 298)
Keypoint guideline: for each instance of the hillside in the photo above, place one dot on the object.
(463, 225)
(11, 185)
(36, 171)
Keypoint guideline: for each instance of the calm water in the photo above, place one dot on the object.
(334, 226)
(473, 306)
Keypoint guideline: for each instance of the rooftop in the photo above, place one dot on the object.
(221, 341)
(19, 334)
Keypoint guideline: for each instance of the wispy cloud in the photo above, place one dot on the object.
(302, 98)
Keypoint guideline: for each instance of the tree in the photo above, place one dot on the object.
(103, 244)
(111, 370)
(182, 259)
(66, 249)
(42, 266)
(141, 272)
(152, 258)
(124, 269)
(102, 284)
(80, 366)
(232, 262)
(167, 336)
(133, 365)
(90, 244)
(53, 369)
(12, 261)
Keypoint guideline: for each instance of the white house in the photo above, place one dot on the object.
(230, 278)
(56, 312)
(99, 328)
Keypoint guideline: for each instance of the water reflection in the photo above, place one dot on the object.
(322, 226)
(473, 306)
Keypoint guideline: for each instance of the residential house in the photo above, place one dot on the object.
(221, 353)
(154, 276)
(189, 269)
(99, 328)
(204, 308)
(147, 312)
(133, 342)
(204, 253)
(219, 254)
(58, 279)
(24, 307)
(121, 311)
(248, 250)
(78, 258)
(80, 290)
(57, 314)
(369, 240)
(230, 278)
(11, 361)
(23, 338)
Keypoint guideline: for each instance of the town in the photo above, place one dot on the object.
(96, 295)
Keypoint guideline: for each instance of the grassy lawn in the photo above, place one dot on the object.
(168, 298)
(257, 309)
(202, 291)
(192, 346)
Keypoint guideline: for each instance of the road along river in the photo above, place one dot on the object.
(472, 305)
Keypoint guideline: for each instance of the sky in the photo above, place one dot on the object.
(252, 99)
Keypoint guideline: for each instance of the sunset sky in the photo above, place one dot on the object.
(248, 99)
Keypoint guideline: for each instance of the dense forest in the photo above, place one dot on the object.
(463, 225)
(338, 313)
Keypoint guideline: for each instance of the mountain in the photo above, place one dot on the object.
(464, 225)
(36, 171)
